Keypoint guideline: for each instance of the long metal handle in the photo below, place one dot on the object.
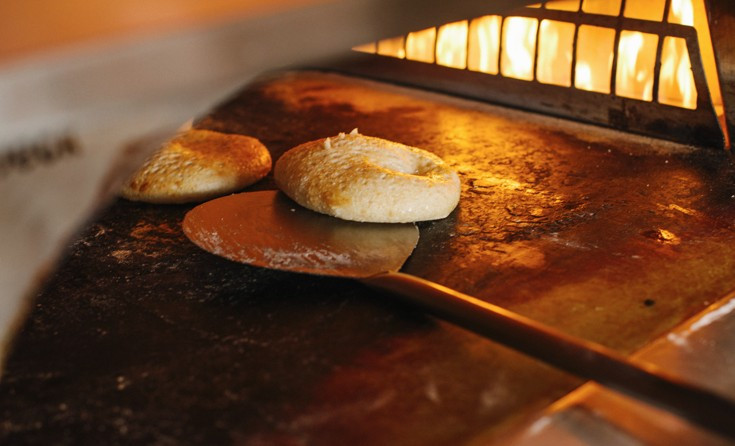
(577, 356)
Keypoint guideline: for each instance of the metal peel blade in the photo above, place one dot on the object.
(267, 229)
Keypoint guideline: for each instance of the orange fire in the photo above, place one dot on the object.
(451, 45)
(554, 64)
(519, 47)
(420, 45)
(507, 46)
(594, 58)
(676, 86)
(637, 57)
(636, 61)
(484, 44)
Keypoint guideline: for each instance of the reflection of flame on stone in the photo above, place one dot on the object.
(663, 236)
(521, 255)
(488, 182)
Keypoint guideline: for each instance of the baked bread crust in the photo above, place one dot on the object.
(363, 178)
(198, 165)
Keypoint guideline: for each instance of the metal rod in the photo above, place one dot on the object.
(534, 77)
(500, 46)
(577, 356)
(616, 43)
(659, 50)
(573, 74)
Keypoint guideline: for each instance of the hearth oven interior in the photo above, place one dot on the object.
(592, 140)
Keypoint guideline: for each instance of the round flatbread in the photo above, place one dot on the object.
(363, 178)
(198, 165)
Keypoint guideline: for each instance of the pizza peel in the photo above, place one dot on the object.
(266, 229)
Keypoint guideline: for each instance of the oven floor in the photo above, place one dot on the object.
(140, 337)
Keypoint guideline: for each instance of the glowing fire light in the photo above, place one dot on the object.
(554, 65)
(451, 45)
(645, 10)
(583, 76)
(636, 60)
(394, 47)
(563, 5)
(594, 58)
(519, 47)
(476, 46)
(484, 44)
(682, 12)
(676, 86)
(420, 45)
(605, 7)
(691, 13)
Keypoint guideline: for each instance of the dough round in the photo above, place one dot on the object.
(198, 165)
(362, 178)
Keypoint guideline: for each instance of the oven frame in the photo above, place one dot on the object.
(698, 127)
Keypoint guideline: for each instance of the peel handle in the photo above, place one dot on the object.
(577, 356)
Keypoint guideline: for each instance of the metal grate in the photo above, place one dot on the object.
(583, 72)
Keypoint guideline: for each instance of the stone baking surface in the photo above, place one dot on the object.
(141, 337)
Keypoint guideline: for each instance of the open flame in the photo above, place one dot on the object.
(554, 64)
(420, 45)
(519, 47)
(484, 43)
(508, 47)
(691, 13)
(676, 86)
(594, 58)
(636, 61)
(451, 45)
